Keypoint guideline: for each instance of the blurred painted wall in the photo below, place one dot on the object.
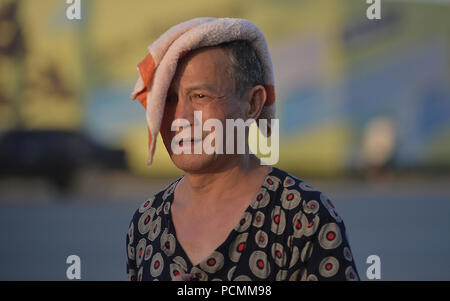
(349, 90)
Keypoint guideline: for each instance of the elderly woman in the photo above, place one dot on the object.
(229, 217)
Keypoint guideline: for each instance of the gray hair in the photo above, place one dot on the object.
(245, 69)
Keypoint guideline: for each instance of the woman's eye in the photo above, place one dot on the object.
(200, 95)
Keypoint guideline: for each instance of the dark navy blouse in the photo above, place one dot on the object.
(290, 231)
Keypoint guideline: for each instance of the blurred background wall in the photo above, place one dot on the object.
(363, 107)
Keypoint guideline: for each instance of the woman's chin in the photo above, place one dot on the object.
(192, 162)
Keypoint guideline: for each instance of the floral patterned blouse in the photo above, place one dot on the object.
(290, 231)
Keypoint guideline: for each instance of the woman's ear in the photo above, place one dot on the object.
(256, 98)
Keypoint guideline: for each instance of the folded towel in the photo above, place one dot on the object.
(159, 66)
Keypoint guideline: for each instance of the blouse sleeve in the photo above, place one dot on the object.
(330, 253)
(131, 252)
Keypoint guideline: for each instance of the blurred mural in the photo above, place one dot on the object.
(336, 74)
(354, 96)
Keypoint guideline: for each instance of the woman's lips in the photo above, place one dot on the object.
(192, 141)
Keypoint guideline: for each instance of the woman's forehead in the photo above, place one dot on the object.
(203, 67)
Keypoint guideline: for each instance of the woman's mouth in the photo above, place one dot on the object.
(191, 141)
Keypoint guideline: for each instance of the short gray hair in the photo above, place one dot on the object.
(245, 69)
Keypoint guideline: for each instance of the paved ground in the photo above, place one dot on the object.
(404, 222)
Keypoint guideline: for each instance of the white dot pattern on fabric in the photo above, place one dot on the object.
(290, 231)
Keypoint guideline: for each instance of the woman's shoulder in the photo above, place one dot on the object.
(154, 203)
(296, 194)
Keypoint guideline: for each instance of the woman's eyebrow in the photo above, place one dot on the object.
(200, 87)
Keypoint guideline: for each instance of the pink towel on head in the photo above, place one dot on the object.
(158, 67)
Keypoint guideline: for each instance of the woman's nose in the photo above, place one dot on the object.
(184, 110)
